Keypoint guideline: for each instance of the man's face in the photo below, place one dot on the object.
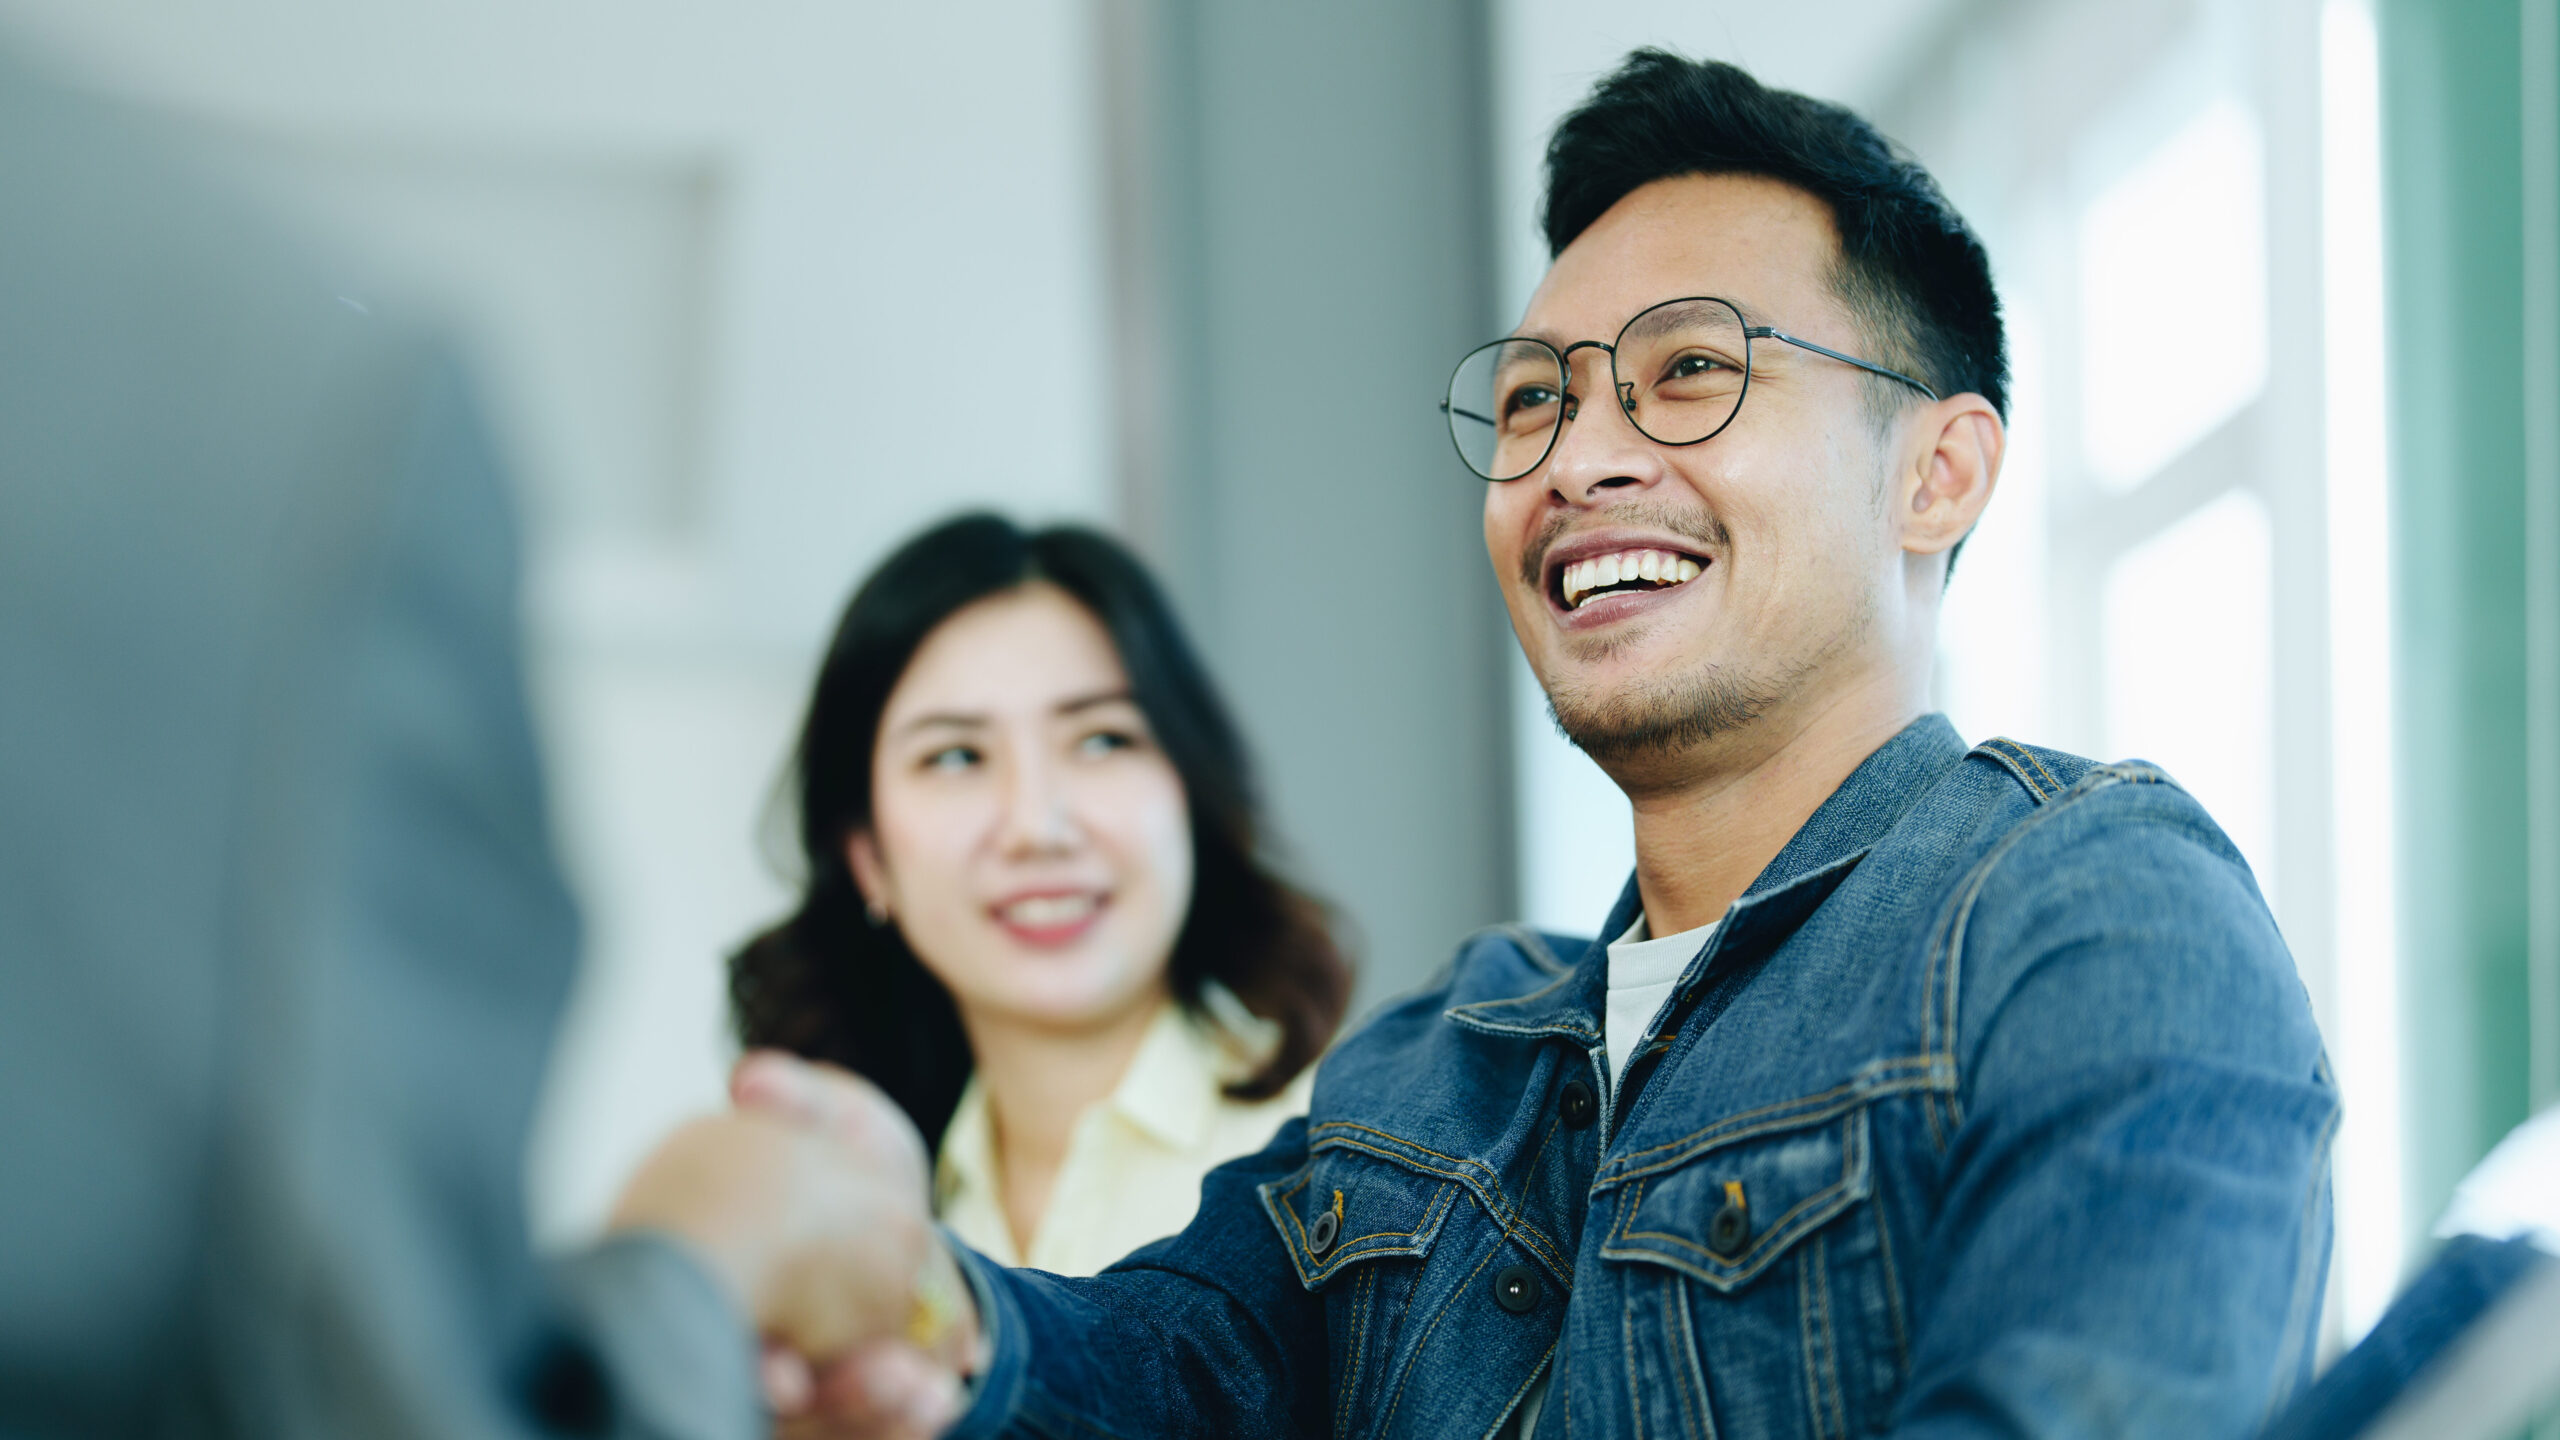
(1785, 516)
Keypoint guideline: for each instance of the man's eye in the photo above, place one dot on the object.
(1697, 375)
(1528, 397)
(952, 758)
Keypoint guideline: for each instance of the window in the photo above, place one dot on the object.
(2182, 204)
(2173, 297)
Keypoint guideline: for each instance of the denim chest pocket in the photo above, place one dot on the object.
(1346, 1206)
(1359, 1228)
(1764, 1276)
(1726, 1211)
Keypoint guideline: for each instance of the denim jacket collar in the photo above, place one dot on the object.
(1806, 870)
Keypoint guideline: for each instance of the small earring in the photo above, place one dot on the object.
(878, 912)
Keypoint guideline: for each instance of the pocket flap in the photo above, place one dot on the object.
(1346, 1206)
(1725, 1214)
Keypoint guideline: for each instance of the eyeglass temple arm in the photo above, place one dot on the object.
(1771, 332)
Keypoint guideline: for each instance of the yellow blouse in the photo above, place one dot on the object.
(1133, 1164)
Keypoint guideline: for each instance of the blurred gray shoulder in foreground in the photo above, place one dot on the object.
(282, 940)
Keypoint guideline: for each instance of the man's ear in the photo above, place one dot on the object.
(870, 874)
(1950, 480)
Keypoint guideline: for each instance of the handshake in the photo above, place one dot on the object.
(810, 1203)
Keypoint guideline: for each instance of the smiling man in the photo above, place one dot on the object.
(1915, 1088)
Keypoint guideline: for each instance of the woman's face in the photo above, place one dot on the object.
(1028, 838)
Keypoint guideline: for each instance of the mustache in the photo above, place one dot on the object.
(1709, 532)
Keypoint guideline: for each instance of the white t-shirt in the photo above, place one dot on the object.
(1642, 971)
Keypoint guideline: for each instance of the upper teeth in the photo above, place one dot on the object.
(1659, 567)
(1039, 912)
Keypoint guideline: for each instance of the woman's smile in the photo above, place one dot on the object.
(1050, 919)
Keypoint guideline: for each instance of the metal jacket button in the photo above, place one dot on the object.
(1517, 1289)
(1320, 1235)
(1730, 1230)
(1577, 1104)
(1329, 1224)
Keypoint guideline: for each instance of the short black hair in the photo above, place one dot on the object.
(827, 983)
(1911, 272)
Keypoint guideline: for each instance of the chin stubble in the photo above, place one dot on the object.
(1655, 719)
(1658, 719)
(1677, 712)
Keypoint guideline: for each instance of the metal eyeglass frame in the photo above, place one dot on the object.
(1571, 406)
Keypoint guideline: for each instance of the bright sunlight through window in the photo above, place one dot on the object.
(2173, 297)
(2370, 1218)
(2190, 667)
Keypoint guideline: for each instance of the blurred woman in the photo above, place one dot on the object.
(1037, 913)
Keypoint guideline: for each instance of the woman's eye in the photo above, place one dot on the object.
(952, 758)
(1694, 363)
(1104, 742)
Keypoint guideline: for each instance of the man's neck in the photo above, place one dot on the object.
(1707, 828)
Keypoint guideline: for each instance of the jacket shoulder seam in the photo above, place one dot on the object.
(2022, 762)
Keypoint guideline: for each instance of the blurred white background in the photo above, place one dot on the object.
(740, 281)
(732, 285)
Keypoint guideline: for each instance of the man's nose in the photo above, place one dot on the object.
(1599, 450)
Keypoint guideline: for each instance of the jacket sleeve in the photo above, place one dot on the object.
(2133, 1229)
(1206, 1333)
(649, 1348)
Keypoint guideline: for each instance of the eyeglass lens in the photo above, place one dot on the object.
(1679, 372)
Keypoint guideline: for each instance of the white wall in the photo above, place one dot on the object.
(755, 292)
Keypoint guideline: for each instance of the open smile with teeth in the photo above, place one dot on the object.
(1625, 570)
(1048, 912)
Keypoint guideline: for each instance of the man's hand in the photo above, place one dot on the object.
(818, 1250)
(886, 1391)
(810, 1204)
(894, 1387)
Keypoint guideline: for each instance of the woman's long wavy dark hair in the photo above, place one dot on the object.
(828, 984)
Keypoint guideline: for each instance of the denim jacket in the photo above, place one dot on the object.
(1993, 1107)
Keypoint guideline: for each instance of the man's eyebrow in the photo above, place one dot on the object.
(1553, 341)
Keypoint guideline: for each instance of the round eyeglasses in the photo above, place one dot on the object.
(1680, 370)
